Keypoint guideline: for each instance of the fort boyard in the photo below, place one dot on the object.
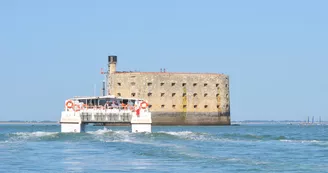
(175, 98)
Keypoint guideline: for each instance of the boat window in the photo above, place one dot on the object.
(102, 102)
(84, 101)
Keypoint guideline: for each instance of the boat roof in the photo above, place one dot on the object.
(104, 97)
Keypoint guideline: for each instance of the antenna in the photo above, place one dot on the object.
(104, 81)
(103, 88)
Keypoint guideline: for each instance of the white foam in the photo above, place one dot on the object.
(18, 136)
(105, 130)
(300, 141)
(35, 134)
(100, 131)
(189, 135)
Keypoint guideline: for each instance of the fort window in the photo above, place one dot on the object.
(227, 96)
(227, 106)
(149, 84)
(173, 94)
(173, 84)
(119, 84)
(173, 106)
(205, 94)
(205, 84)
(195, 94)
(184, 106)
(218, 106)
(162, 106)
(184, 94)
(217, 95)
(183, 84)
(195, 84)
(205, 106)
(162, 83)
(226, 85)
(150, 94)
(118, 94)
(195, 106)
(217, 85)
(162, 94)
(133, 94)
(133, 83)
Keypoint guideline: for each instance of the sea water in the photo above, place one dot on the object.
(183, 149)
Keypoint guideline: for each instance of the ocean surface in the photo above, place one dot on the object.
(183, 149)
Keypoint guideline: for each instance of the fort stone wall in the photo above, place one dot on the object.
(177, 98)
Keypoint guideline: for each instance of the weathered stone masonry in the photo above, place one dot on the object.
(176, 98)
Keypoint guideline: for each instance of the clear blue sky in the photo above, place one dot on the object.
(275, 52)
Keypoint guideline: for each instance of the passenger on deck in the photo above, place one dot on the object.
(123, 105)
(107, 105)
(114, 105)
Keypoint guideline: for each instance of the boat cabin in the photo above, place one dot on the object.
(107, 102)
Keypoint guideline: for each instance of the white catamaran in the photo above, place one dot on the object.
(80, 111)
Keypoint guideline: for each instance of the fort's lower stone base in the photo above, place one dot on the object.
(190, 118)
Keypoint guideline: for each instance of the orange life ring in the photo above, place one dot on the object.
(143, 105)
(69, 104)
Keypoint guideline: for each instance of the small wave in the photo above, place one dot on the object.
(28, 136)
(251, 137)
(300, 141)
(33, 135)
(108, 131)
(108, 135)
(187, 135)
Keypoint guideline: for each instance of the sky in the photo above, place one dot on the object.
(275, 51)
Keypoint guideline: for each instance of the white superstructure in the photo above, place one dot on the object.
(80, 111)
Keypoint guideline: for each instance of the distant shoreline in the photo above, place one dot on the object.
(4, 122)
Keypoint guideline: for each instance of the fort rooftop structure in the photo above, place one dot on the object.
(175, 98)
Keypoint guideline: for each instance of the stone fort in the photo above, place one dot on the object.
(175, 98)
